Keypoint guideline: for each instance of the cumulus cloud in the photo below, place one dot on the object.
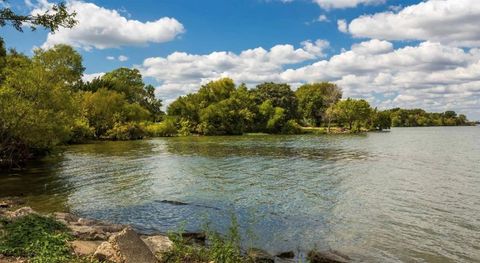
(329, 4)
(342, 26)
(181, 72)
(451, 22)
(102, 28)
(428, 75)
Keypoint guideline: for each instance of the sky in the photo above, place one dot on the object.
(394, 53)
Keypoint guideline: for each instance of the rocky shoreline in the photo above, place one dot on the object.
(106, 242)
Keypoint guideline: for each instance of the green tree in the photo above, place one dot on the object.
(54, 18)
(280, 95)
(314, 99)
(353, 112)
(35, 113)
(62, 62)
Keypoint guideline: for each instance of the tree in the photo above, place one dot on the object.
(54, 18)
(280, 95)
(314, 99)
(129, 82)
(381, 120)
(351, 111)
(35, 113)
(62, 62)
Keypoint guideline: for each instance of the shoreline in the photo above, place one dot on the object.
(101, 241)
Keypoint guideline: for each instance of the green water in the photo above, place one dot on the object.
(411, 195)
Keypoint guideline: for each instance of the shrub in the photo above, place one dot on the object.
(126, 131)
(81, 131)
(165, 128)
(291, 127)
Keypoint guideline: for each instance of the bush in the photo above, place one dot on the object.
(81, 131)
(291, 127)
(166, 128)
(126, 131)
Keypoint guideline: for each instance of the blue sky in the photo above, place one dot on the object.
(391, 52)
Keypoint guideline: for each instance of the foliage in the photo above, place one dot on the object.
(418, 117)
(62, 62)
(280, 95)
(166, 128)
(125, 131)
(314, 99)
(381, 120)
(35, 111)
(54, 18)
(40, 238)
(353, 113)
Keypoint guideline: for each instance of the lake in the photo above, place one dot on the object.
(409, 195)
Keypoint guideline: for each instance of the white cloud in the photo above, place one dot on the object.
(329, 4)
(110, 57)
(89, 77)
(322, 18)
(122, 58)
(181, 72)
(102, 28)
(451, 22)
(429, 75)
(342, 26)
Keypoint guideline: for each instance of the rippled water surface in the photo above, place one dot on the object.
(412, 194)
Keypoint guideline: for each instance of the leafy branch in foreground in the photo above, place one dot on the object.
(52, 19)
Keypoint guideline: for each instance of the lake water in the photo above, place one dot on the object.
(409, 195)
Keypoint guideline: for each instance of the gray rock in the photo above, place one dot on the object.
(85, 248)
(158, 244)
(65, 218)
(125, 247)
(21, 212)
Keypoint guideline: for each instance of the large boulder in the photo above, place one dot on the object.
(89, 229)
(158, 244)
(125, 247)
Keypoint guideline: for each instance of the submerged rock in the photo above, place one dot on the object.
(173, 202)
(125, 247)
(288, 255)
(330, 256)
(260, 256)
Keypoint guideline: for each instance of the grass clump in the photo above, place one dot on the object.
(40, 239)
(217, 249)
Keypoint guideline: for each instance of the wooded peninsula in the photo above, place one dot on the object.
(44, 103)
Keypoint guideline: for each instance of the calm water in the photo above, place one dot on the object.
(410, 195)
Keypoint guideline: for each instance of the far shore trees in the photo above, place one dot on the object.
(45, 103)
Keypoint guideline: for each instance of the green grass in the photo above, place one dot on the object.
(38, 238)
(225, 249)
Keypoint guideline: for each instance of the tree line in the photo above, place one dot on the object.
(44, 102)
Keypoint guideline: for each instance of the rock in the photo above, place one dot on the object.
(106, 252)
(288, 254)
(330, 256)
(260, 256)
(11, 202)
(21, 212)
(158, 244)
(87, 222)
(88, 232)
(173, 202)
(125, 247)
(85, 248)
(65, 218)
